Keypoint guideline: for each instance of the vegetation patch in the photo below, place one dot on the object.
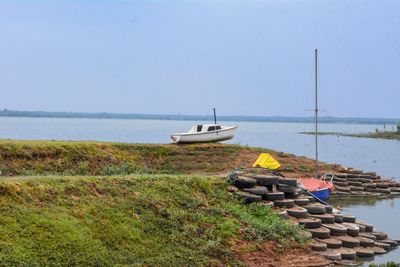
(129, 220)
(101, 158)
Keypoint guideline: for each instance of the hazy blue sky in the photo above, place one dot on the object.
(243, 57)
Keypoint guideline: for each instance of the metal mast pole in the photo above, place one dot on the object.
(316, 114)
(215, 117)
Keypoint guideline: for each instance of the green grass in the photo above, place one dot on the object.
(169, 220)
(101, 158)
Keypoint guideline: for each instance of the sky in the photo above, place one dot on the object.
(186, 57)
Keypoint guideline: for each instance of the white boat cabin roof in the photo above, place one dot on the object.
(202, 128)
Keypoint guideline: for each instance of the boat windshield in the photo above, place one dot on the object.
(199, 128)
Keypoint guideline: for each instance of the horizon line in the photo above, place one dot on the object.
(109, 115)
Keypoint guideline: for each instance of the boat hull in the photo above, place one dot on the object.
(322, 194)
(214, 136)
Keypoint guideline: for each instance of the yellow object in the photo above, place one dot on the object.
(266, 161)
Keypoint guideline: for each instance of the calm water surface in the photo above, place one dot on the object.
(382, 156)
(382, 213)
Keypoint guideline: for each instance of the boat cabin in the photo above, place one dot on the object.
(205, 128)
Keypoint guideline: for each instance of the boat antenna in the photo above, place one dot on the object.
(215, 117)
(316, 114)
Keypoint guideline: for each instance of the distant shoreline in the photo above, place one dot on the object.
(376, 135)
(104, 115)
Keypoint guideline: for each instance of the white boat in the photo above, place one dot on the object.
(205, 133)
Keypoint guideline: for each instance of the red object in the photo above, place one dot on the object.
(313, 184)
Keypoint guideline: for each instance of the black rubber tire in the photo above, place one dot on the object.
(288, 181)
(232, 176)
(353, 179)
(379, 251)
(269, 204)
(298, 212)
(368, 235)
(310, 223)
(356, 188)
(331, 255)
(385, 246)
(369, 228)
(383, 191)
(393, 244)
(395, 189)
(302, 201)
(349, 242)
(365, 242)
(320, 232)
(315, 209)
(373, 190)
(365, 180)
(245, 182)
(248, 197)
(328, 209)
(379, 235)
(274, 196)
(318, 246)
(331, 242)
(292, 196)
(312, 200)
(338, 218)
(354, 183)
(284, 214)
(345, 184)
(340, 180)
(349, 218)
(351, 231)
(325, 218)
(284, 203)
(364, 252)
(347, 253)
(343, 193)
(342, 188)
(361, 227)
(336, 229)
(266, 180)
(287, 189)
(382, 185)
(257, 190)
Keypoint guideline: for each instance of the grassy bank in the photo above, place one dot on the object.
(101, 158)
(128, 220)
